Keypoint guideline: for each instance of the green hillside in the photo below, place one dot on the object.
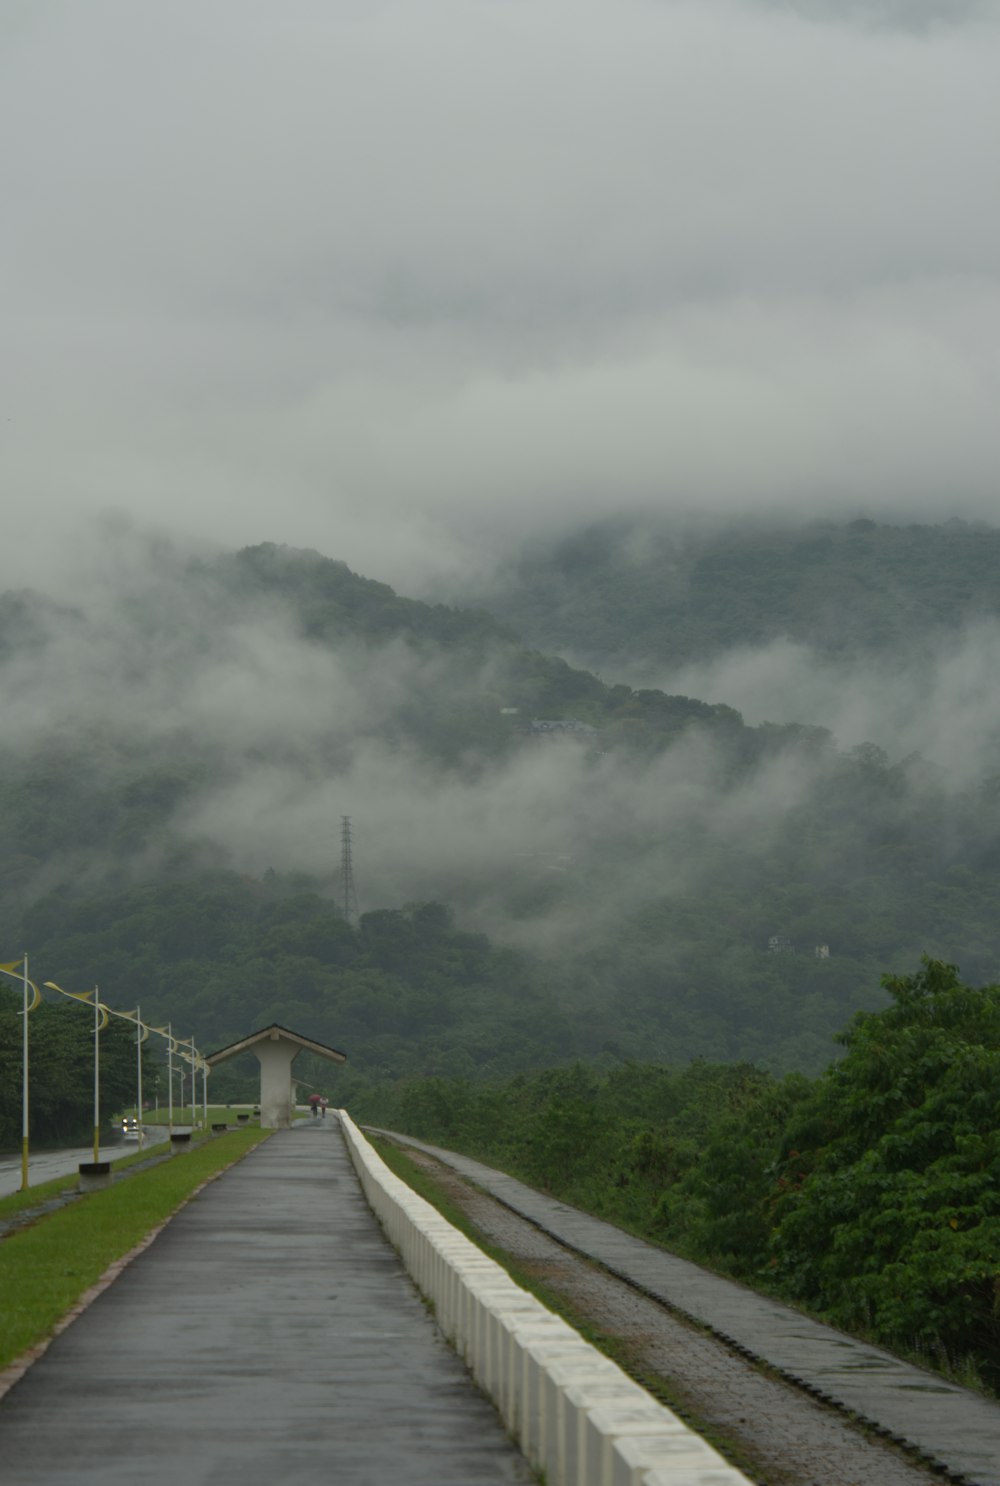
(218, 954)
(627, 590)
(627, 873)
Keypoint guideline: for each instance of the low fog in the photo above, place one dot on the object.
(275, 737)
(412, 285)
(943, 707)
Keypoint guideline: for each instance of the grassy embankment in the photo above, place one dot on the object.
(217, 1114)
(47, 1266)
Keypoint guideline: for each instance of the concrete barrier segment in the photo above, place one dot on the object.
(487, 1298)
(468, 1289)
(567, 1409)
(615, 1401)
(539, 1354)
(602, 1427)
(679, 1458)
(501, 1312)
(507, 1346)
(576, 1378)
(463, 1300)
(501, 1316)
(693, 1475)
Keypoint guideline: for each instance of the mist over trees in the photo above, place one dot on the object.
(674, 591)
(654, 875)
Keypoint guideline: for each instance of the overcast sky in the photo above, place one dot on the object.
(412, 282)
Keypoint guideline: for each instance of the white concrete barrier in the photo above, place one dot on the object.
(573, 1412)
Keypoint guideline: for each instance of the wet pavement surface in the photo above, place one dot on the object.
(947, 1424)
(269, 1334)
(47, 1165)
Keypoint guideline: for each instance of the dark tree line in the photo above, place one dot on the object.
(870, 1195)
(61, 1072)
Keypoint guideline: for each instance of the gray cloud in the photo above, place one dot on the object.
(942, 706)
(274, 738)
(905, 15)
(160, 673)
(408, 285)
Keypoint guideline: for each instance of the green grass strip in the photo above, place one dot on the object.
(223, 1113)
(17, 1202)
(46, 1267)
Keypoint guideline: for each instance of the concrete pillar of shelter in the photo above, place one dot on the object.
(275, 1058)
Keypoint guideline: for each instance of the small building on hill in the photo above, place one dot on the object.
(558, 727)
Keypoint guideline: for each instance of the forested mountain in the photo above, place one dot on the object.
(404, 991)
(626, 590)
(655, 876)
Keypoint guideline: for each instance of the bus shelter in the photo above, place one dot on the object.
(276, 1048)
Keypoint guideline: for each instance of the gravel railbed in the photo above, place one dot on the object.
(787, 1427)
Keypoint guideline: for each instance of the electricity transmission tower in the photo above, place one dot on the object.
(350, 893)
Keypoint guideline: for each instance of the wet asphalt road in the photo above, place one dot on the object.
(47, 1165)
(269, 1334)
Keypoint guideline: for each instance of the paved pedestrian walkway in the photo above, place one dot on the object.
(269, 1334)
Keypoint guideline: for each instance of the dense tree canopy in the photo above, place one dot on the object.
(871, 1195)
(61, 1071)
(889, 1212)
(628, 589)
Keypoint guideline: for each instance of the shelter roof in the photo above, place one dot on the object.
(275, 1033)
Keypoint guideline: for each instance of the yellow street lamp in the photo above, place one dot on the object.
(11, 969)
(100, 1022)
(172, 1043)
(141, 1034)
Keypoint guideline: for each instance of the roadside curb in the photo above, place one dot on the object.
(15, 1371)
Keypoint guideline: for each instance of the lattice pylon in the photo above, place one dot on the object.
(349, 899)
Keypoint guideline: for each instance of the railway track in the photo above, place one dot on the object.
(793, 1403)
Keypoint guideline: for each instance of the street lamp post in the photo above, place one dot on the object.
(191, 1059)
(141, 1033)
(26, 1010)
(100, 1022)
